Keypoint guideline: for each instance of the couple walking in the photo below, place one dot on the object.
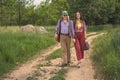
(71, 29)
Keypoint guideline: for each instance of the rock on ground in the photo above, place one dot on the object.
(28, 28)
(42, 29)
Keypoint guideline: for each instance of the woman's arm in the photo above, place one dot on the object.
(85, 29)
(72, 30)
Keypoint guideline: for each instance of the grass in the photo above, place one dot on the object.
(17, 47)
(106, 55)
(60, 75)
(42, 65)
(54, 55)
(9, 29)
(99, 28)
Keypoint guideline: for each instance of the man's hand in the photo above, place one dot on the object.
(55, 36)
(73, 40)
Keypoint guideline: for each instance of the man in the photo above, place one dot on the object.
(66, 30)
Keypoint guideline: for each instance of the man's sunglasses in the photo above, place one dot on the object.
(65, 15)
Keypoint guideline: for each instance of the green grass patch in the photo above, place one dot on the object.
(97, 28)
(106, 55)
(60, 75)
(54, 55)
(9, 29)
(18, 47)
(46, 64)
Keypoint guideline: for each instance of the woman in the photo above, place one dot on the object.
(80, 36)
(66, 30)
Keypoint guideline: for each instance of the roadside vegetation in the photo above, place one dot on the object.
(17, 47)
(106, 55)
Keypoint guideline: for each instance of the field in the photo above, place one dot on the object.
(17, 47)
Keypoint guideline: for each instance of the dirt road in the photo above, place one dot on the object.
(86, 71)
(30, 69)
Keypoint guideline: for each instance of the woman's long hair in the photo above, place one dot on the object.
(75, 18)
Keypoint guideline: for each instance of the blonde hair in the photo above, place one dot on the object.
(68, 18)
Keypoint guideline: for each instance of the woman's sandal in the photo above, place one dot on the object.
(78, 65)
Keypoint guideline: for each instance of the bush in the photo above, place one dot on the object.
(106, 55)
(96, 28)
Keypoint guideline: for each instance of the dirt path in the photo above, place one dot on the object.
(25, 70)
(86, 71)
(30, 69)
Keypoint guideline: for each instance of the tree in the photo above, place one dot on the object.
(94, 11)
(14, 12)
(11, 11)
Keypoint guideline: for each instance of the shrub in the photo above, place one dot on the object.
(106, 55)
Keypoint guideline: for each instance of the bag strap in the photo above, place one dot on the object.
(69, 27)
(59, 27)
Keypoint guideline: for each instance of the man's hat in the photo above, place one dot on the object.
(64, 13)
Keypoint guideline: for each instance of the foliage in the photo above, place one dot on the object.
(106, 55)
(14, 12)
(97, 28)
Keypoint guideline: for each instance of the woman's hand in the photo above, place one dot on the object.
(85, 37)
